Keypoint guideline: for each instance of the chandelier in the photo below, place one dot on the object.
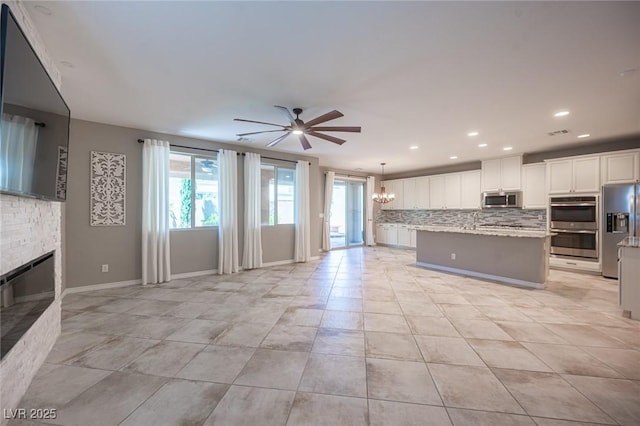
(383, 197)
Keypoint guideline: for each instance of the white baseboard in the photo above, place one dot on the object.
(286, 262)
(34, 297)
(102, 286)
(105, 286)
(505, 280)
(193, 274)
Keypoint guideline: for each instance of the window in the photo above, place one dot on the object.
(278, 195)
(193, 191)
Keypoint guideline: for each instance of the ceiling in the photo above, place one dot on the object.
(409, 73)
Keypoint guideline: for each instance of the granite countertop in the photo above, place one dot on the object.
(630, 242)
(492, 231)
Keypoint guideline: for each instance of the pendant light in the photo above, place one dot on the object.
(383, 197)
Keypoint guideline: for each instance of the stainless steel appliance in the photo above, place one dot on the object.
(574, 212)
(574, 221)
(621, 218)
(492, 200)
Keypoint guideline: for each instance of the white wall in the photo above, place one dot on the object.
(30, 228)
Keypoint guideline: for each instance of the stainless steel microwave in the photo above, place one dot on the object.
(493, 200)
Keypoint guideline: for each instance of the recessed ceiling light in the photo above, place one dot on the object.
(454, 157)
(43, 10)
(561, 114)
(67, 64)
(473, 133)
(482, 145)
(586, 135)
(507, 148)
(414, 147)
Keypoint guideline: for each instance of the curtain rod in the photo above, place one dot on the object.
(278, 159)
(215, 150)
(40, 124)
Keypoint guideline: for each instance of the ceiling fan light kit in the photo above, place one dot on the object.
(383, 197)
(302, 129)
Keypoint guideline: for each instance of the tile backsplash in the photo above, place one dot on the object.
(498, 217)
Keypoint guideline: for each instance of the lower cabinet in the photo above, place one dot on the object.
(404, 235)
(396, 234)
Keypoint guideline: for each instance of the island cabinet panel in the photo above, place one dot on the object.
(509, 258)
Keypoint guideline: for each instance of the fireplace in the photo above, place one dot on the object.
(26, 292)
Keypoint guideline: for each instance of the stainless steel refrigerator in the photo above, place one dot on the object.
(621, 218)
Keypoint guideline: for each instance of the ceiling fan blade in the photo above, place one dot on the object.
(325, 117)
(277, 140)
(337, 129)
(264, 131)
(259, 122)
(304, 141)
(286, 113)
(326, 137)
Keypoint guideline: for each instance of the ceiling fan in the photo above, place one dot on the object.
(302, 129)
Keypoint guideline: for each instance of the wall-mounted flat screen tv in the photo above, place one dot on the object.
(35, 121)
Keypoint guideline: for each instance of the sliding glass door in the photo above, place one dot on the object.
(346, 222)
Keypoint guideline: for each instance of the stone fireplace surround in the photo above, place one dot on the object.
(30, 228)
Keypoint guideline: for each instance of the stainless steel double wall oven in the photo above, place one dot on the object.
(574, 220)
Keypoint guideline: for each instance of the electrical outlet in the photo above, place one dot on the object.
(453, 256)
(105, 267)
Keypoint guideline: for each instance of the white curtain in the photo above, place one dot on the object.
(156, 264)
(252, 249)
(228, 198)
(19, 140)
(302, 251)
(326, 224)
(371, 185)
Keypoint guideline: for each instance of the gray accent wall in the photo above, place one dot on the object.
(87, 247)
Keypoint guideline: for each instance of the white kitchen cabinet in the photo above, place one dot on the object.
(392, 233)
(398, 189)
(409, 196)
(470, 190)
(574, 175)
(381, 233)
(414, 235)
(387, 233)
(621, 168)
(502, 174)
(422, 192)
(394, 187)
(404, 235)
(452, 191)
(437, 192)
(534, 187)
(560, 176)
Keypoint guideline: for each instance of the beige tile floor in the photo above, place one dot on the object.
(359, 337)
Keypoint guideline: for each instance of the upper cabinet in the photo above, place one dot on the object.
(621, 168)
(574, 175)
(455, 190)
(422, 192)
(470, 189)
(534, 187)
(502, 174)
(409, 194)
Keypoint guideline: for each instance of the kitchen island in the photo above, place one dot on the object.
(629, 277)
(510, 256)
